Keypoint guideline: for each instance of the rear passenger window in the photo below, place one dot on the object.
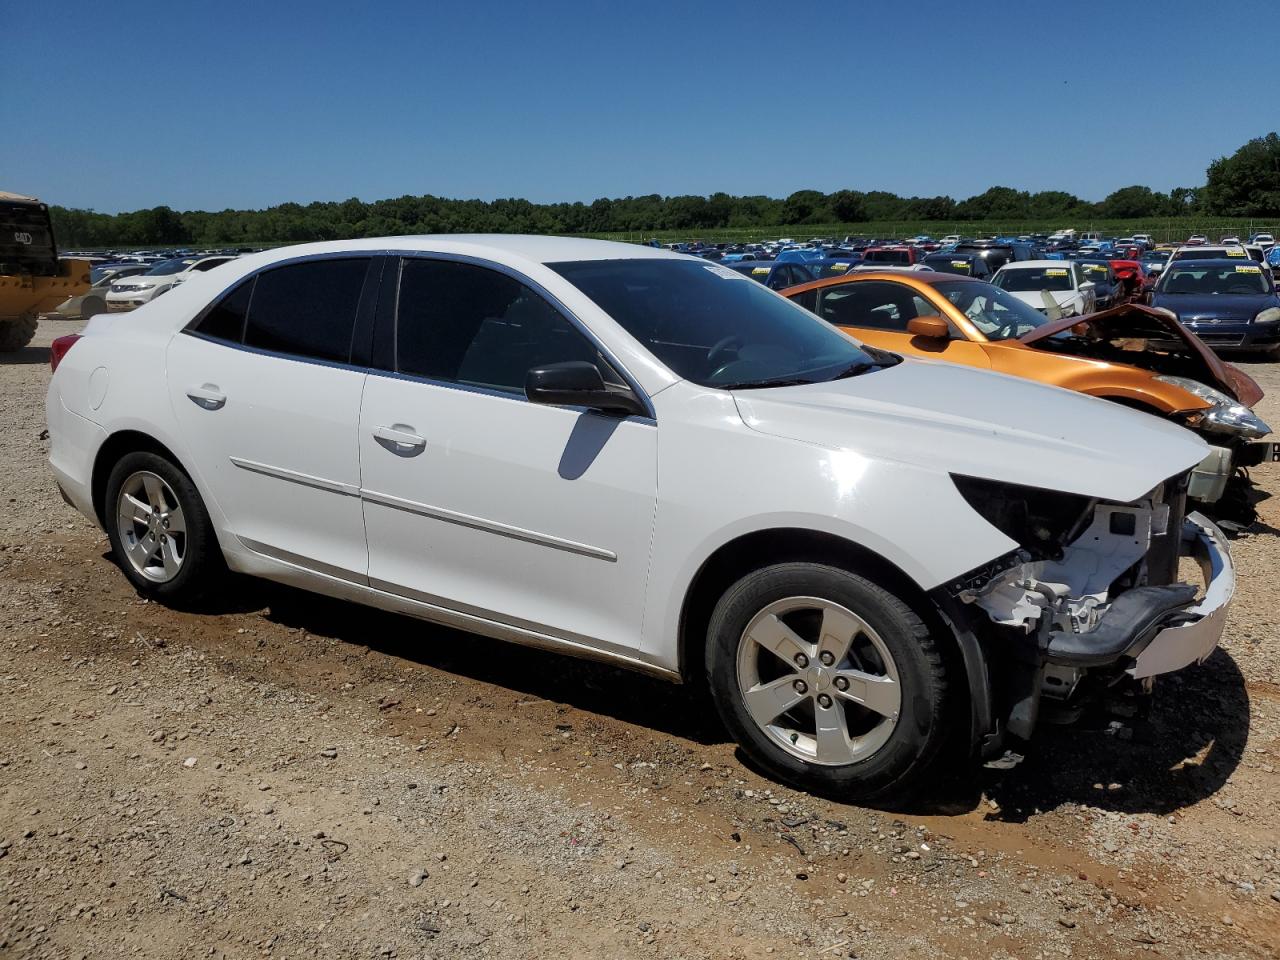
(307, 309)
(226, 320)
(467, 324)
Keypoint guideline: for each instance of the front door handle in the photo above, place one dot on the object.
(208, 396)
(400, 440)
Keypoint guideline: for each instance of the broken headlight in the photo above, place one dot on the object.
(1040, 521)
(1226, 416)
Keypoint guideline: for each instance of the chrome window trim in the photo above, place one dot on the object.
(401, 255)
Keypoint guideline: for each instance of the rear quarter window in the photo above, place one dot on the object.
(307, 309)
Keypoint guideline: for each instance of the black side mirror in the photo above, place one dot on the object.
(578, 383)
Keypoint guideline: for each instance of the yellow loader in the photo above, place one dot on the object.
(32, 278)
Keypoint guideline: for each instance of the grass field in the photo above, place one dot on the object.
(1162, 228)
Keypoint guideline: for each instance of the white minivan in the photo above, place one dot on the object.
(869, 562)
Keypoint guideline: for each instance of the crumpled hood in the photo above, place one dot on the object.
(956, 419)
(1222, 306)
(1157, 342)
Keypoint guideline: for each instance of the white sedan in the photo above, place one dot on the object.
(1055, 287)
(645, 458)
(129, 293)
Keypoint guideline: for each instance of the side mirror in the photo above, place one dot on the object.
(933, 328)
(578, 383)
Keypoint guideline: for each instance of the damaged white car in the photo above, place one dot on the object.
(645, 458)
(1057, 288)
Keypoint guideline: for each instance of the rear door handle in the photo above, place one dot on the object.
(207, 396)
(400, 441)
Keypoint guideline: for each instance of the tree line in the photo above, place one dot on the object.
(1244, 184)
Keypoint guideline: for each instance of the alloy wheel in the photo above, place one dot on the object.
(818, 681)
(152, 527)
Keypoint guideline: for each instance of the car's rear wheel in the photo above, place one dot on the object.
(159, 529)
(827, 680)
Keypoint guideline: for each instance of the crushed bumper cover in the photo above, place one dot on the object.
(1183, 644)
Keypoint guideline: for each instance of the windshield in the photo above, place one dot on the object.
(1097, 272)
(887, 256)
(998, 315)
(1202, 280)
(1033, 279)
(714, 326)
(168, 267)
(949, 265)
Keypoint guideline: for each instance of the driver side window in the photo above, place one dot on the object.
(874, 304)
(466, 324)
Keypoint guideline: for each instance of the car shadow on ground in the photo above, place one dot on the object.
(1183, 752)
(599, 688)
(25, 356)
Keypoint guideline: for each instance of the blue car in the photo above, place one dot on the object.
(833, 266)
(775, 275)
(800, 255)
(1228, 304)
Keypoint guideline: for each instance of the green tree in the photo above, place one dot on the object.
(1247, 183)
(1130, 202)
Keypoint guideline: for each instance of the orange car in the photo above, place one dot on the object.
(1130, 354)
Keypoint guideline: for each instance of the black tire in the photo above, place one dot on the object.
(17, 332)
(202, 566)
(916, 741)
(92, 306)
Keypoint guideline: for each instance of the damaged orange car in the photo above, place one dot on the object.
(1130, 354)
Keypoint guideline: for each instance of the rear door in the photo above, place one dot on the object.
(268, 397)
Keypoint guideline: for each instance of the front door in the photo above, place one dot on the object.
(480, 502)
(878, 311)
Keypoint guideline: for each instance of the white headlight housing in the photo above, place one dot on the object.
(1226, 415)
(1270, 315)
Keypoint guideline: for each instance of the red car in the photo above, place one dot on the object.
(898, 255)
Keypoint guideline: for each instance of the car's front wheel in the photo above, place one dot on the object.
(828, 681)
(159, 529)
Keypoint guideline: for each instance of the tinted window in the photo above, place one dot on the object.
(468, 324)
(711, 325)
(872, 303)
(210, 264)
(307, 309)
(226, 320)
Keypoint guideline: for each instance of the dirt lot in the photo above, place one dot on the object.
(287, 776)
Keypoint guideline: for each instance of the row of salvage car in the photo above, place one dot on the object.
(870, 560)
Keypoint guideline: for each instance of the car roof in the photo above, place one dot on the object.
(1035, 264)
(538, 249)
(1213, 262)
(923, 276)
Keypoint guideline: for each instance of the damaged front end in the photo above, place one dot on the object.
(1153, 340)
(1090, 599)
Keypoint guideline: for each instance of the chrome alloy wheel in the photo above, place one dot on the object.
(818, 681)
(152, 528)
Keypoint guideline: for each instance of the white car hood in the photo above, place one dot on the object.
(1035, 298)
(965, 421)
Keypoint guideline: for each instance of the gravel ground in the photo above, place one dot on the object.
(283, 775)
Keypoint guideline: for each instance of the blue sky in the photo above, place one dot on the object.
(230, 104)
